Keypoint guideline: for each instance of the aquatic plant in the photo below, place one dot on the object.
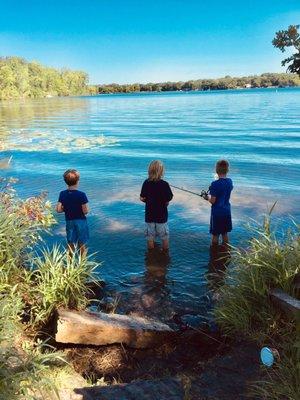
(245, 306)
(61, 141)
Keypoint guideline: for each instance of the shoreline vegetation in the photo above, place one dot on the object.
(32, 286)
(20, 79)
(266, 80)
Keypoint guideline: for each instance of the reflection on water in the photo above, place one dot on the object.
(219, 257)
(20, 114)
(17, 134)
(155, 299)
(219, 261)
(150, 292)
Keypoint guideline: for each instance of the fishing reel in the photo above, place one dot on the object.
(204, 194)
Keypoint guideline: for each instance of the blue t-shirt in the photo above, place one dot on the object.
(221, 189)
(72, 201)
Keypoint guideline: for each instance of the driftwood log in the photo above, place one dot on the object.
(102, 329)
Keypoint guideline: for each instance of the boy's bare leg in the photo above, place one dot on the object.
(225, 239)
(83, 250)
(214, 239)
(71, 249)
(165, 244)
(150, 244)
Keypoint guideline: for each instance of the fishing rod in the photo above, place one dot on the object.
(203, 194)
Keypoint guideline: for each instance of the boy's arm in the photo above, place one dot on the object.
(59, 207)
(211, 199)
(169, 195)
(143, 193)
(85, 208)
(84, 204)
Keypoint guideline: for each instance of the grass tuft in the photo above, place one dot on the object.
(59, 281)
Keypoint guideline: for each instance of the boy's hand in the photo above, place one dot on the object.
(143, 199)
(204, 195)
(59, 208)
(85, 208)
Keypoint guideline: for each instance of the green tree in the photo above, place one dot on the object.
(289, 38)
(20, 78)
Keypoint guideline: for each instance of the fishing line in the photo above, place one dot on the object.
(203, 194)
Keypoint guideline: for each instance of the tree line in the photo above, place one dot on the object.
(228, 82)
(20, 79)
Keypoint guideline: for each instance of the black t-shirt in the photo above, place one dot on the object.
(72, 201)
(157, 194)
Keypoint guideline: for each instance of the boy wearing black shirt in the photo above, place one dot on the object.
(156, 194)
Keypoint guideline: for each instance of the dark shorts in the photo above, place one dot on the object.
(220, 224)
(77, 231)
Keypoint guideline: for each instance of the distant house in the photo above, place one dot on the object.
(248, 85)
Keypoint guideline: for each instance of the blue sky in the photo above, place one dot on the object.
(141, 41)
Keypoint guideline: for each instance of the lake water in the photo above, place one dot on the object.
(111, 139)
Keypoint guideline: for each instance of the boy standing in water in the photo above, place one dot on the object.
(74, 204)
(157, 194)
(220, 190)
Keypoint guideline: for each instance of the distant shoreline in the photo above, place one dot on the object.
(267, 80)
(191, 91)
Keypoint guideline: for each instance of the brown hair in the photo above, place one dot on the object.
(71, 177)
(156, 170)
(222, 167)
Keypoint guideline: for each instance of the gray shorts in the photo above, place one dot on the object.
(154, 229)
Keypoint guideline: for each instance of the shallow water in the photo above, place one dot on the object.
(110, 139)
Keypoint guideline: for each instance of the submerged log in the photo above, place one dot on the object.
(101, 329)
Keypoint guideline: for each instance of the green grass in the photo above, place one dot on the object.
(23, 364)
(59, 281)
(245, 307)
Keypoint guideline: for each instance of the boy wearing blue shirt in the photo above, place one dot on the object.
(220, 190)
(74, 204)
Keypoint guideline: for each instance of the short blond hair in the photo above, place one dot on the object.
(156, 170)
(222, 167)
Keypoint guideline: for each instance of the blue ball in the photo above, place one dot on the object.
(267, 356)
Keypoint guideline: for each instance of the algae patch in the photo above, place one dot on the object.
(61, 141)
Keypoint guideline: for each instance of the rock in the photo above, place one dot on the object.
(286, 303)
(102, 329)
